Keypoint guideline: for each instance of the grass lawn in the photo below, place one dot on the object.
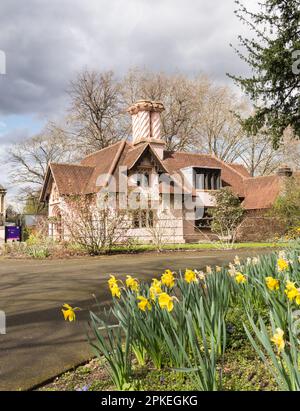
(197, 246)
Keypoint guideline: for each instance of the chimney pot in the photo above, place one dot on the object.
(284, 171)
(146, 122)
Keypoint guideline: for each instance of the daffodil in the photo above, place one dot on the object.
(232, 270)
(165, 301)
(255, 260)
(272, 283)
(278, 340)
(208, 269)
(69, 312)
(237, 260)
(201, 275)
(190, 276)
(144, 303)
(168, 279)
(240, 278)
(218, 269)
(112, 281)
(292, 292)
(282, 264)
(155, 288)
(115, 291)
(132, 283)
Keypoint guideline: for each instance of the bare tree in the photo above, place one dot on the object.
(96, 229)
(259, 156)
(31, 157)
(218, 126)
(179, 95)
(163, 229)
(96, 111)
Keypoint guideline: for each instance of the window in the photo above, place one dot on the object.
(205, 221)
(142, 219)
(207, 179)
(143, 180)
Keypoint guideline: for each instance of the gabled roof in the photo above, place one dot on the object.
(257, 192)
(70, 179)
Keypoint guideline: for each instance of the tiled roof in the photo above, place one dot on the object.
(71, 178)
(175, 161)
(258, 192)
(241, 169)
(261, 192)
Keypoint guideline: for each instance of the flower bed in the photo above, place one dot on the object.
(189, 324)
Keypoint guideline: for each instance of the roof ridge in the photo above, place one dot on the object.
(215, 158)
(256, 177)
(191, 154)
(103, 149)
(70, 164)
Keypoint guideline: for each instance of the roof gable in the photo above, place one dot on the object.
(70, 179)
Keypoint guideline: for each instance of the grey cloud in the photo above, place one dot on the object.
(46, 43)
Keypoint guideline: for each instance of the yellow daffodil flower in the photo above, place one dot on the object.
(278, 340)
(112, 281)
(132, 283)
(272, 283)
(292, 292)
(240, 278)
(168, 279)
(144, 303)
(190, 276)
(115, 291)
(165, 301)
(69, 312)
(282, 264)
(155, 288)
(218, 269)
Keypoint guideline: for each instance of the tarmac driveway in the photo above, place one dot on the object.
(39, 344)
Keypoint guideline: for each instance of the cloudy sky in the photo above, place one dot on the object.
(47, 42)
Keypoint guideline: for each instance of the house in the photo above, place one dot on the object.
(2, 213)
(177, 186)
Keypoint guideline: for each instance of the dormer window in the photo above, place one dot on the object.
(207, 179)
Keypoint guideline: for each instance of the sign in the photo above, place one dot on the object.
(13, 233)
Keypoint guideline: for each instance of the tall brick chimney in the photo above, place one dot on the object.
(284, 171)
(146, 124)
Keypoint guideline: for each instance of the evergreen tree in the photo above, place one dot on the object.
(273, 53)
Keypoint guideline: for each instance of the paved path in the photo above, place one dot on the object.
(39, 344)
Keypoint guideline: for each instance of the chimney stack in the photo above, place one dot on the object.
(284, 171)
(146, 124)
